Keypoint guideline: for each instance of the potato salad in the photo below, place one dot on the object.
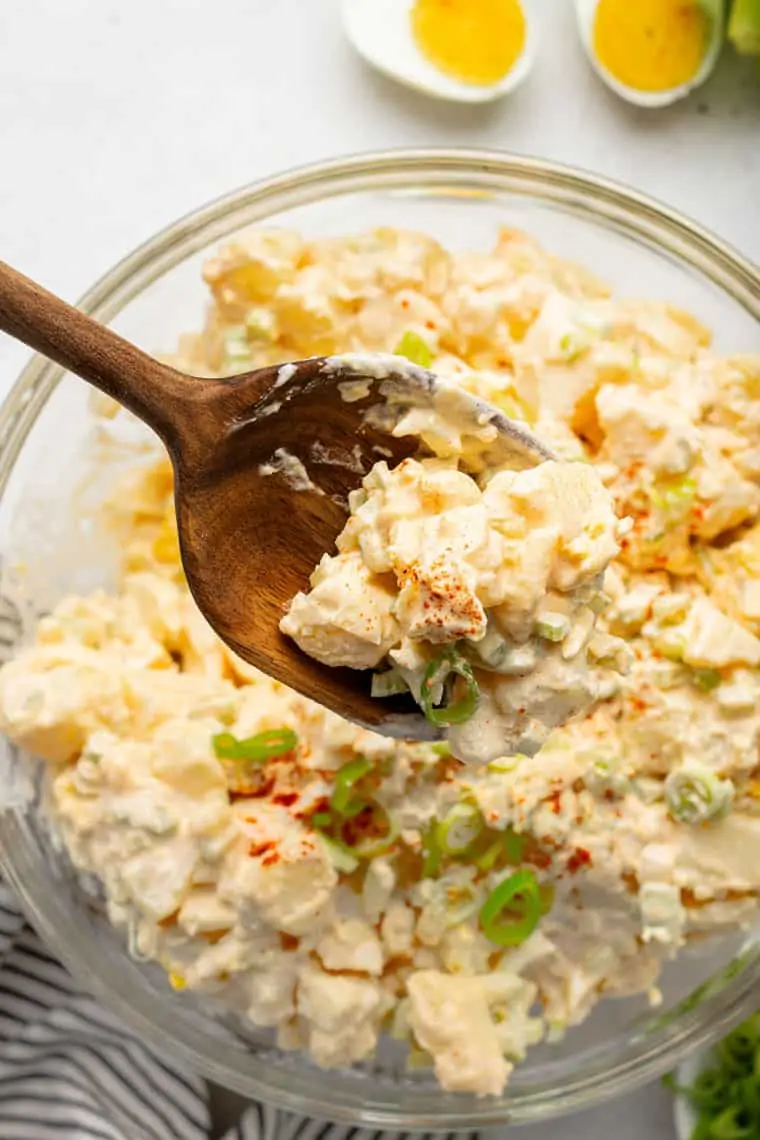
(336, 887)
(478, 595)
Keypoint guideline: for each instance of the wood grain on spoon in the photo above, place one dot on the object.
(249, 540)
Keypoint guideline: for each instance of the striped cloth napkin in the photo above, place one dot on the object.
(69, 1070)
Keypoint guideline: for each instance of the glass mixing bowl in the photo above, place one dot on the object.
(49, 441)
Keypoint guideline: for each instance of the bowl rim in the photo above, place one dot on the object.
(464, 172)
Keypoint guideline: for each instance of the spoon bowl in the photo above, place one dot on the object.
(264, 463)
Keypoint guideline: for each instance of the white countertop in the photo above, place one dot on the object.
(117, 118)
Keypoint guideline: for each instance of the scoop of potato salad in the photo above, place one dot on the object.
(476, 594)
(337, 887)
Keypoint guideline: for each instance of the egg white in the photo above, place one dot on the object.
(586, 10)
(381, 32)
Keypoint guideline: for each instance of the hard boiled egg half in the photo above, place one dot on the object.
(469, 50)
(652, 52)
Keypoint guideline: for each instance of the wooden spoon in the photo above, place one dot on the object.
(263, 464)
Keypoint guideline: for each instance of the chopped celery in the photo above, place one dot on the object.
(676, 498)
(260, 324)
(670, 608)
(706, 679)
(237, 350)
(388, 684)
(414, 348)
(744, 26)
(519, 660)
(494, 653)
(670, 644)
(506, 763)
(552, 626)
(491, 650)
(572, 346)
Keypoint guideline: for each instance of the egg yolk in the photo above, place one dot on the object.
(475, 41)
(651, 45)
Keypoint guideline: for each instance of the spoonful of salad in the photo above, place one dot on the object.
(462, 595)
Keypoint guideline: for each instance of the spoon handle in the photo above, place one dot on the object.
(153, 391)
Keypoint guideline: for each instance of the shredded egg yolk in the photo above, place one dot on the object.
(475, 41)
(651, 45)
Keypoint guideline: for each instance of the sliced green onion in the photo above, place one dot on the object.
(706, 679)
(461, 828)
(255, 749)
(734, 1123)
(373, 846)
(726, 1095)
(414, 348)
(343, 800)
(388, 684)
(442, 749)
(548, 894)
(737, 1051)
(506, 763)
(431, 851)
(695, 794)
(710, 1090)
(433, 688)
(339, 855)
(572, 347)
(461, 904)
(514, 845)
(512, 911)
(336, 829)
(553, 626)
(490, 857)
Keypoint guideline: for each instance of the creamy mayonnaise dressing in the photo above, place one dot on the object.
(348, 886)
